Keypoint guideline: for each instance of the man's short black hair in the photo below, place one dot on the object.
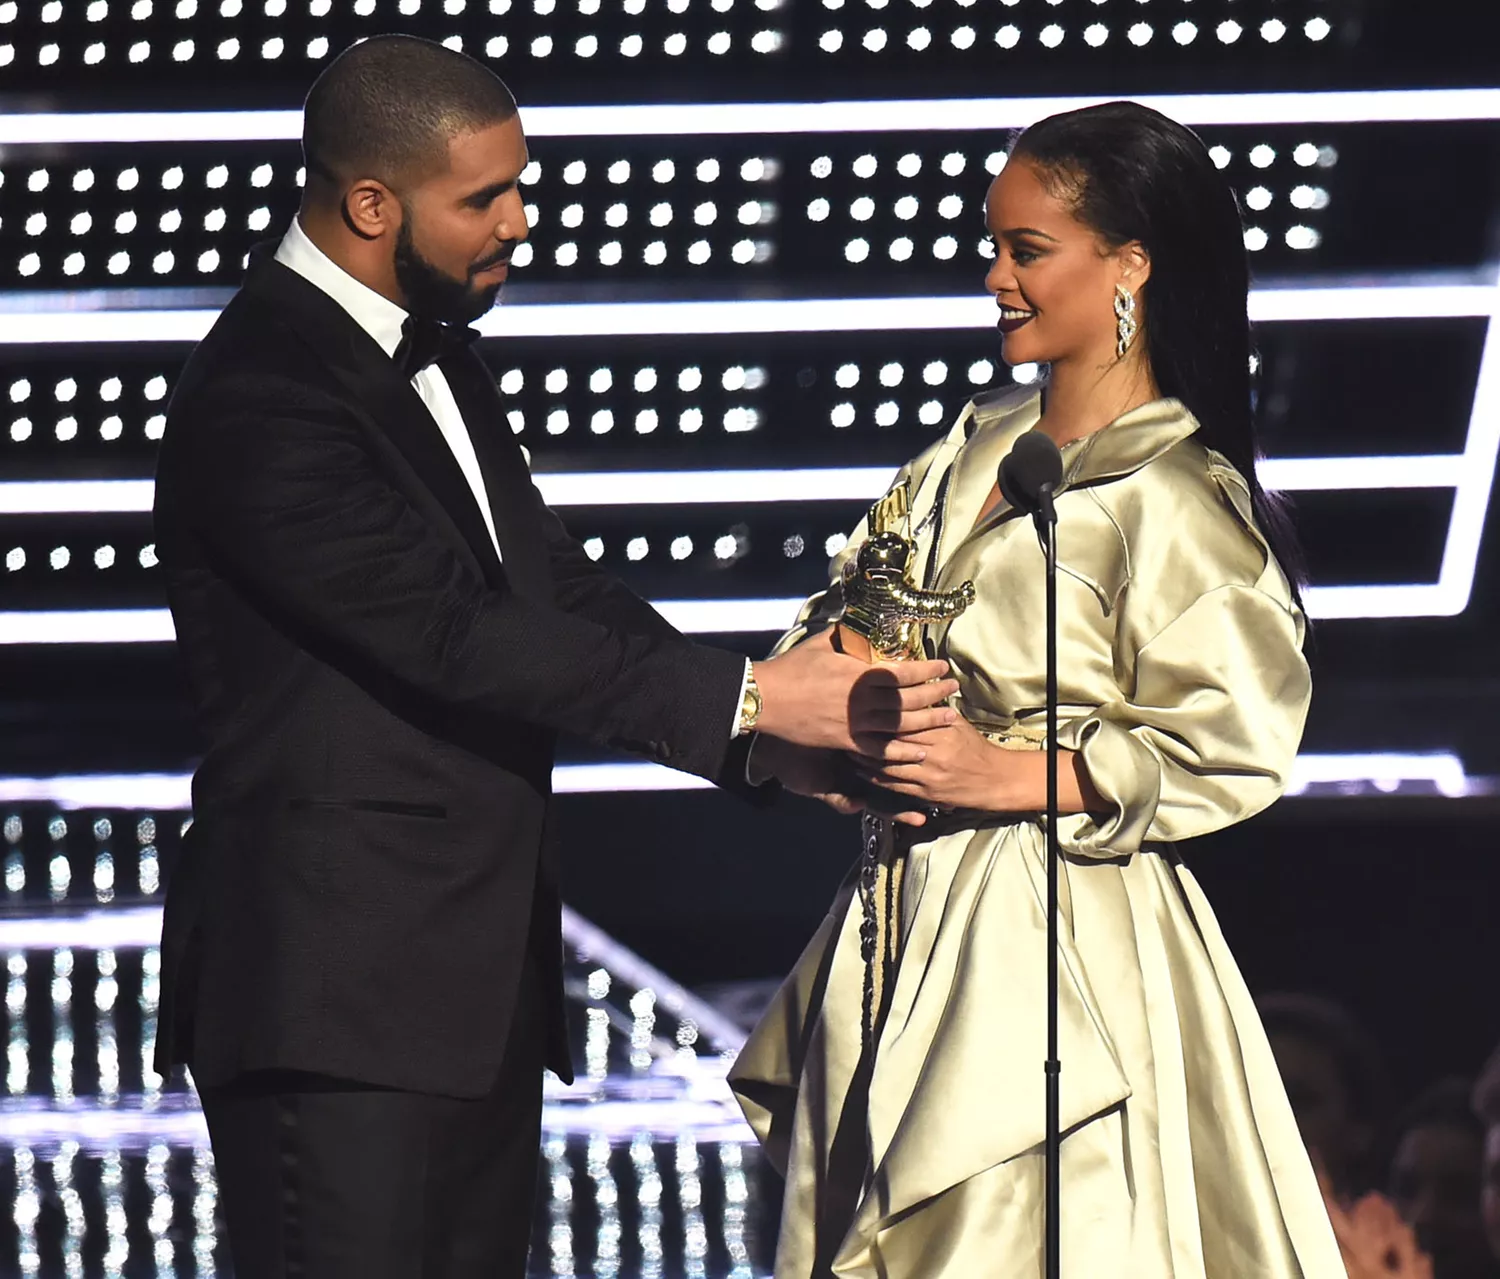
(386, 107)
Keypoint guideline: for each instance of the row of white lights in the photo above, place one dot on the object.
(105, 557)
(172, 792)
(574, 172)
(645, 380)
(141, 10)
(654, 253)
(754, 169)
(566, 254)
(631, 46)
(737, 419)
(98, 10)
(1052, 36)
(725, 547)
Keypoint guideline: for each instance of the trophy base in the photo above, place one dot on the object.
(853, 643)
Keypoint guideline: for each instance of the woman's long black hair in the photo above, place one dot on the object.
(1130, 173)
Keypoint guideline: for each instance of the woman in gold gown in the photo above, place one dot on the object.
(912, 1141)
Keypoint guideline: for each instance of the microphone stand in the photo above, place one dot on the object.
(1045, 517)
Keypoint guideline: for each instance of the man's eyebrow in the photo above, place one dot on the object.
(487, 193)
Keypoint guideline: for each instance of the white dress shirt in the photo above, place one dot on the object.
(382, 320)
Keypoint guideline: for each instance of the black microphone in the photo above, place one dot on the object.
(1031, 472)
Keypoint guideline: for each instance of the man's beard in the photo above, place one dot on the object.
(433, 294)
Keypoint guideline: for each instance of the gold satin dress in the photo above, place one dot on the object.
(1182, 682)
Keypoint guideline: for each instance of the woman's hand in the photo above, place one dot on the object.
(958, 767)
(952, 767)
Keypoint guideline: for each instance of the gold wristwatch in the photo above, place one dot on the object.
(750, 704)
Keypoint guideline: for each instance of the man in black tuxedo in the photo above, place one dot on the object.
(384, 628)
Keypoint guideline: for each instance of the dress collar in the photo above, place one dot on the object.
(1121, 448)
(1128, 443)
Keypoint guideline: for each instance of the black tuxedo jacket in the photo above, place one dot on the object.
(379, 694)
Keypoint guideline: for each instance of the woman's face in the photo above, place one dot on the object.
(1053, 277)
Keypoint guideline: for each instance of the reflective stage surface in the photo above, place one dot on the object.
(646, 1167)
(132, 1194)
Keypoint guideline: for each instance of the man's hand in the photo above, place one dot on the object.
(818, 774)
(809, 696)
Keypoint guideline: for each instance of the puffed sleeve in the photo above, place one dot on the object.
(1209, 732)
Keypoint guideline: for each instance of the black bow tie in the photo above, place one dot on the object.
(425, 342)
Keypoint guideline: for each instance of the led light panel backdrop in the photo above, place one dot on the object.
(582, 48)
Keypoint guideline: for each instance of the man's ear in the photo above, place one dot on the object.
(370, 209)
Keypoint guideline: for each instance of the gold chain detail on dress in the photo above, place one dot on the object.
(881, 871)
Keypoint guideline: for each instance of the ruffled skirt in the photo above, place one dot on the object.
(923, 1160)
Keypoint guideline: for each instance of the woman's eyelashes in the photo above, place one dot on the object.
(1024, 250)
(1020, 254)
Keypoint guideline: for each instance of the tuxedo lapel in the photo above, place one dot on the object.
(376, 387)
(507, 479)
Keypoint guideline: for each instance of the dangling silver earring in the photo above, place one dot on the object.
(1125, 321)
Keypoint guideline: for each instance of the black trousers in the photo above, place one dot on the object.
(331, 1179)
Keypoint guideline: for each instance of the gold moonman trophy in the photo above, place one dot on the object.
(884, 609)
(882, 619)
